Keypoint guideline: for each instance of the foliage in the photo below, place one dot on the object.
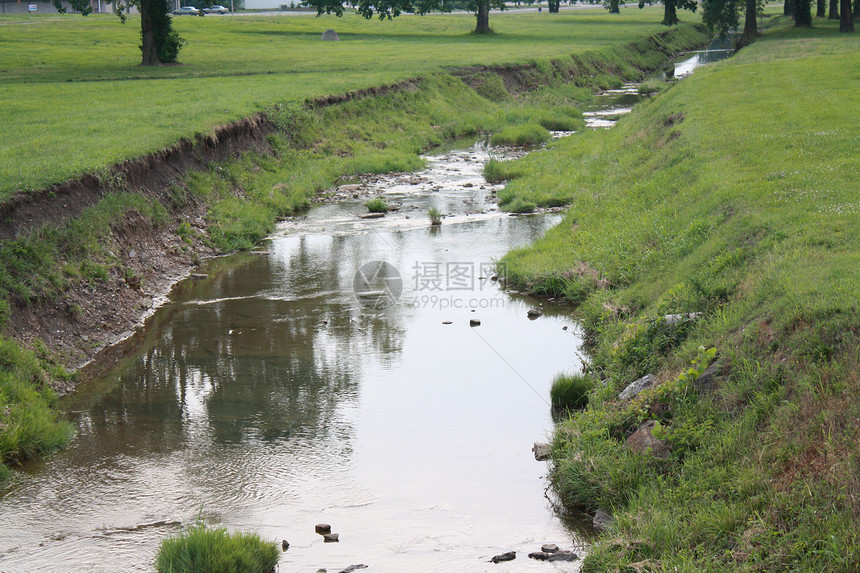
(435, 216)
(199, 548)
(522, 134)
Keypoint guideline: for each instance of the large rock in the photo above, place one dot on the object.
(635, 388)
(549, 548)
(707, 380)
(542, 452)
(322, 528)
(330, 36)
(602, 521)
(642, 441)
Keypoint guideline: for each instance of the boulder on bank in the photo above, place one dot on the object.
(601, 521)
(542, 452)
(637, 386)
(707, 381)
(642, 441)
(330, 36)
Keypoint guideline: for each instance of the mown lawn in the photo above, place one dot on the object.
(73, 98)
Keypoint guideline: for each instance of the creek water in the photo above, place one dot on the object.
(318, 382)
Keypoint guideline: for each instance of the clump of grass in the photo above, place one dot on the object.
(377, 205)
(496, 171)
(651, 87)
(570, 392)
(523, 134)
(435, 216)
(200, 548)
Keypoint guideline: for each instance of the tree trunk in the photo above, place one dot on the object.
(483, 16)
(670, 16)
(147, 35)
(554, 6)
(822, 9)
(833, 14)
(788, 8)
(856, 9)
(750, 22)
(802, 14)
(614, 7)
(846, 17)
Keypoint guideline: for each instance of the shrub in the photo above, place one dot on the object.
(199, 548)
(650, 87)
(570, 392)
(435, 216)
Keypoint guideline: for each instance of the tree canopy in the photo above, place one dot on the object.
(392, 8)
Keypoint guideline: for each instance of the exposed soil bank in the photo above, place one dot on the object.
(228, 189)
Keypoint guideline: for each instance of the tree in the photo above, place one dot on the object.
(833, 13)
(802, 13)
(613, 6)
(721, 16)
(393, 8)
(846, 17)
(670, 9)
(553, 6)
(821, 11)
(159, 42)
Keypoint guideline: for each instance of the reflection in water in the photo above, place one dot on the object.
(267, 398)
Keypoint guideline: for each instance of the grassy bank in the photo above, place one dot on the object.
(311, 149)
(73, 75)
(732, 194)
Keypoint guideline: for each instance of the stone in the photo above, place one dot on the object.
(534, 313)
(199, 276)
(330, 36)
(635, 388)
(642, 441)
(447, 322)
(563, 556)
(676, 318)
(331, 538)
(350, 188)
(539, 555)
(509, 556)
(707, 381)
(602, 521)
(474, 322)
(322, 528)
(542, 452)
(549, 548)
(371, 215)
(285, 544)
(352, 568)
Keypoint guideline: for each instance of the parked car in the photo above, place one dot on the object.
(216, 9)
(190, 10)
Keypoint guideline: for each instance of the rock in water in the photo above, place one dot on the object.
(322, 528)
(474, 322)
(331, 538)
(549, 548)
(330, 36)
(542, 452)
(602, 521)
(509, 556)
(534, 313)
(285, 544)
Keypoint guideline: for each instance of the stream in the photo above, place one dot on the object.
(337, 376)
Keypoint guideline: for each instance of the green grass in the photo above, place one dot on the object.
(377, 205)
(435, 216)
(734, 194)
(29, 427)
(199, 549)
(570, 392)
(522, 134)
(64, 75)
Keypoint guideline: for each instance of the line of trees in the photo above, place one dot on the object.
(160, 43)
